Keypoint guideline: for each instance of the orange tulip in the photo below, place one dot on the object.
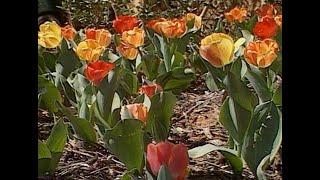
(155, 24)
(266, 28)
(236, 14)
(261, 53)
(217, 49)
(97, 71)
(175, 157)
(134, 37)
(197, 20)
(127, 50)
(138, 111)
(125, 23)
(102, 36)
(89, 50)
(150, 89)
(169, 28)
(266, 10)
(68, 32)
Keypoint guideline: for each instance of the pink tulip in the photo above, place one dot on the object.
(175, 157)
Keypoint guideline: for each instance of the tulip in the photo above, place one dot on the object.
(150, 89)
(98, 70)
(266, 28)
(175, 157)
(68, 32)
(236, 14)
(169, 28)
(125, 23)
(197, 20)
(137, 111)
(266, 10)
(49, 35)
(102, 36)
(217, 49)
(155, 24)
(261, 53)
(134, 37)
(89, 50)
(127, 50)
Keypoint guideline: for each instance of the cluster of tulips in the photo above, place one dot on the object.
(218, 49)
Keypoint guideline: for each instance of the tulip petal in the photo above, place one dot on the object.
(152, 159)
(178, 162)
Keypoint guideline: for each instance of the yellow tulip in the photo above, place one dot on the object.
(134, 37)
(217, 49)
(128, 51)
(197, 20)
(49, 35)
(89, 50)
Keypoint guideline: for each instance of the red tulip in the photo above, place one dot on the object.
(125, 23)
(266, 28)
(97, 70)
(175, 157)
(150, 89)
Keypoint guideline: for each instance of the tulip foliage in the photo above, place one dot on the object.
(120, 86)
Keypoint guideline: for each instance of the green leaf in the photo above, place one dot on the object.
(165, 50)
(239, 91)
(261, 167)
(130, 175)
(125, 140)
(259, 84)
(159, 115)
(177, 60)
(43, 150)
(250, 24)
(176, 80)
(50, 60)
(164, 173)
(107, 89)
(84, 129)
(210, 82)
(49, 94)
(129, 82)
(150, 65)
(264, 135)
(58, 137)
(55, 161)
(44, 166)
(248, 36)
(235, 119)
(226, 120)
(277, 97)
(69, 62)
(44, 157)
(236, 67)
(230, 155)
(56, 142)
(276, 66)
